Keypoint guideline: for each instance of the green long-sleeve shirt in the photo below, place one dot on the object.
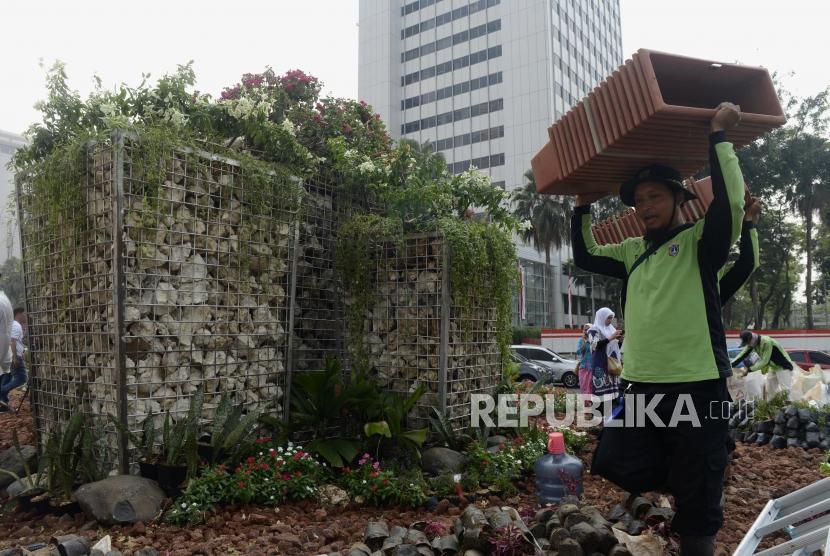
(772, 357)
(674, 330)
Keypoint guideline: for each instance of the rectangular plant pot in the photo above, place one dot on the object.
(655, 108)
(626, 225)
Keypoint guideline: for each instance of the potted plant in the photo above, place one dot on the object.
(68, 461)
(178, 458)
(230, 433)
(144, 443)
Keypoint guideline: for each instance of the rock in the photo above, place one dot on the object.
(331, 495)
(636, 527)
(565, 510)
(791, 411)
(553, 523)
(811, 427)
(762, 439)
(740, 436)
(147, 551)
(619, 550)
(780, 417)
(824, 445)
(496, 440)
(544, 515)
(751, 438)
(576, 518)
(22, 485)
(431, 503)
(557, 537)
(121, 499)
(812, 439)
(778, 442)
(569, 547)
(780, 430)
(805, 416)
(792, 423)
(539, 530)
(442, 460)
(586, 535)
(766, 426)
(11, 460)
(11, 552)
(617, 512)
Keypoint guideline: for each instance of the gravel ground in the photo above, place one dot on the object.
(758, 473)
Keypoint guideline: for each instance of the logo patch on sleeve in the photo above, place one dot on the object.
(674, 249)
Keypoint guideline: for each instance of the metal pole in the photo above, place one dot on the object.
(289, 356)
(593, 309)
(118, 288)
(445, 326)
(32, 326)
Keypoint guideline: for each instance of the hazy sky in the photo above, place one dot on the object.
(120, 40)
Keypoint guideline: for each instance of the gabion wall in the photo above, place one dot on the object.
(154, 284)
(416, 334)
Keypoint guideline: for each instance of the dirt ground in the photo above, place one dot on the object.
(305, 528)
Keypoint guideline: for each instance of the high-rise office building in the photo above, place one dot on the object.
(482, 80)
(9, 233)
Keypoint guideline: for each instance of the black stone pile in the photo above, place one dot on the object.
(791, 427)
(570, 529)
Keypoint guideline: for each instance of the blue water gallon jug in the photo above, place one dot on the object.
(557, 473)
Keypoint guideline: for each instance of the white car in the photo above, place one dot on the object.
(559, 369)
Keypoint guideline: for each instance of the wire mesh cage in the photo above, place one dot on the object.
(415, 334)
(164, 271)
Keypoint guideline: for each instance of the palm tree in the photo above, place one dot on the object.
(549, 217)
(805, 170)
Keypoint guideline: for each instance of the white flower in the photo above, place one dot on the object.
(279, 449)
(525, 225)
(184, 506)
(194, 504)
(364, 481)
(266, 479)
(288, 127)
(270, 450)
(366, 167)
(260, 453)
(290, 444)
(350, 154)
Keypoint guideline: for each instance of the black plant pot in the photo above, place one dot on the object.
(25, 499)
(148, 470)
(171, 477)
(209, 454)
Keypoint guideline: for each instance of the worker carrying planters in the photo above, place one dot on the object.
(772, 357)
(675, 339)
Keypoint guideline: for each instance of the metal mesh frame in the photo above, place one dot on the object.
(415, 334)
(177, 279)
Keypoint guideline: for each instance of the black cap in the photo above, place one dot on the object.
(746, 337)
(657, 173)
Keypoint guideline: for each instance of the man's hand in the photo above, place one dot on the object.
(753, 209)
(588, 198)
(727, 116)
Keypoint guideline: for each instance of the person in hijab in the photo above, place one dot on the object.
(604, 340)
(583, 356)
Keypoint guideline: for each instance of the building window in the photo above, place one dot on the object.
(446, 67)
(446, 17)
(468, 138)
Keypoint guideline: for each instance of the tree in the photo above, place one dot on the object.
(11, 281)
(794, 162)
(549, 218)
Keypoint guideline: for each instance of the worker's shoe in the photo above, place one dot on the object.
(697, 546)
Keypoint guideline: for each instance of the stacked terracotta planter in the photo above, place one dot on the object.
(655, 108)
(625, 225)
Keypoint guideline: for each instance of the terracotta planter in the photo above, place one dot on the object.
(655, 108)
(626, 225)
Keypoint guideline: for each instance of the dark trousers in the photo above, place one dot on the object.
(12, 380)
(684, 459)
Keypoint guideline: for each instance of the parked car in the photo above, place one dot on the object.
(735, 350)
(807, 359)
(528, 370)
(561, 370)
